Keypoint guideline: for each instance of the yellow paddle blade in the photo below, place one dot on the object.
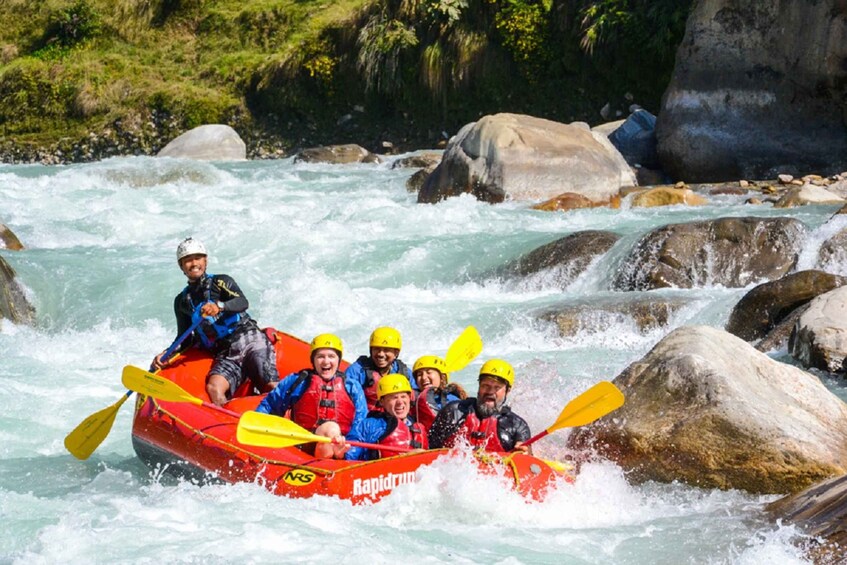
(464, 350)
(149, 384)
(597, 401)
(266, 430)
(91, 432)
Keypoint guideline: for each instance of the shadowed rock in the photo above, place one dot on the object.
(13, 303)
(833, 252)
(768, 304)
(742, 85)
(705, 408)
(821, 512)
(565, 258)
(733, 252)
(819, 338)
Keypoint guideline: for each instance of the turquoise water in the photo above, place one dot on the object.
(328, 248)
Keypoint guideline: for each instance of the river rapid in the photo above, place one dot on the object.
(343, 249)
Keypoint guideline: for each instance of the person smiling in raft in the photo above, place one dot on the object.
(485, 422)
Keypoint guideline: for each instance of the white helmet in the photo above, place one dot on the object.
(190, 246)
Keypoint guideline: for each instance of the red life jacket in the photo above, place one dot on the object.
(424, 413)
(323, 401)
(370, 389)
(413, 436)
(480, 434)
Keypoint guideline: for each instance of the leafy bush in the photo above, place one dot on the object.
(381, 46)
(73, 25)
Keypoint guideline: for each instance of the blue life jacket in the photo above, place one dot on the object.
(221, 327)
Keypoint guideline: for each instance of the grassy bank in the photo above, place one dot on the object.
(95, 76)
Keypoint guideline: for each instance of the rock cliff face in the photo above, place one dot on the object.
(758, 88)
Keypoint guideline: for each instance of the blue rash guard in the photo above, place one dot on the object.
(359, 369)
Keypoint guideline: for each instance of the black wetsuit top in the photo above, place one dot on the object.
(511, 428)
(215, 288)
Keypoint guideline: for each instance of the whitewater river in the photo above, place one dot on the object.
(344, 249)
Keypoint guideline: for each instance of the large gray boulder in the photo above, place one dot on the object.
(706, 408)
(733, 252)
(752, 96)
(214, 142)
(525, 158)
(819, 338)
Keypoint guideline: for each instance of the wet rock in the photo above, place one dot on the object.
(565, 258)
(833, 253)
(733, 252)
(820, 512)
(427, 160)
(13, 303)
(665, 196)
(9, 240)
(213, 142)
(644, 314)
(707, 409)
(525, 158)
(777, 337)
(820, 335)
(337, 154)
(729, 190)
(416, 181)
(766, 305)
(573, 201)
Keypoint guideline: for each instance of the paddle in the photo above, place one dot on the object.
(90, 433)
(597, 401)
(464, 350)
(267, 430)
(151, 384)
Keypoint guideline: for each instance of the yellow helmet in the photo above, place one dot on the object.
(498, 368)
(392, 383)
(431, 362)
(329, 341)
(386, 337)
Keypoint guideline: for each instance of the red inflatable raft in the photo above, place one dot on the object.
(199, 443)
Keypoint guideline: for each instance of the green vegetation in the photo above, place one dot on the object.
(294, 72)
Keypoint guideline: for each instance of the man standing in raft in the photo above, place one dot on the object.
(385, 346)
(391, 426)
(321, 398)
(240, 349)
(485, 422)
